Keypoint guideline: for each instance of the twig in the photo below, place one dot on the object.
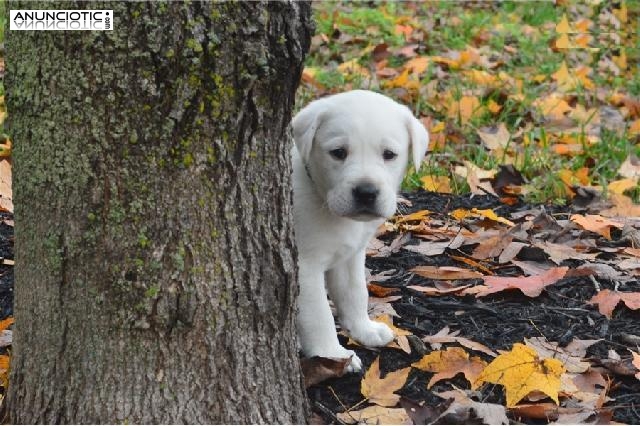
(596, 284)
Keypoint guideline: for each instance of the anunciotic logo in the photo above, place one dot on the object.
(61, 20)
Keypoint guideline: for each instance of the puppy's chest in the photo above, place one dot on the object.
(348, 242)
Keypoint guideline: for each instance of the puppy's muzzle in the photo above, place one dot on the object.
(365, 196)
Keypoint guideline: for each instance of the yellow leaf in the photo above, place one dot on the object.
(621, 13)
(465, 108)
(621, 61)
(622, 185)
(481, 77)
(417, 65)
(634, 129)
(563, 42)
(493, 106)
(436, 184)
(490, 214)
(552, 106)
(521, 371)
(381, 391)
(448, 363)
(562, 77)
(415, 216)
(441, 126)
(403, 81)
(563, 26)
(353, 67)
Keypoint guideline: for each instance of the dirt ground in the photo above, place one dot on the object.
(559, 314)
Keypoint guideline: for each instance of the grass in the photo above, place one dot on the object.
(517, 36)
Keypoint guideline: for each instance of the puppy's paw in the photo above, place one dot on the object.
(372, 333)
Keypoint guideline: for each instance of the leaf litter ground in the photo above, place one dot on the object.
(498, 321)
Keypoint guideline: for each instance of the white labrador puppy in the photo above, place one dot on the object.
(350, 155)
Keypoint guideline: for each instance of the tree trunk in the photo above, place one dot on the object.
(155, 269)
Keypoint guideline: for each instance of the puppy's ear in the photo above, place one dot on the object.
(305, 124)
(419, 138)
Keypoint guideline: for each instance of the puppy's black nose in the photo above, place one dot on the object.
(365, 194)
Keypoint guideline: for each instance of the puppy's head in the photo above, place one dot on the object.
(356, 147)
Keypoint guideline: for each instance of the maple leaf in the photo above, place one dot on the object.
(380, 390)
(607, 300)
(450, 362)
(521, 371)
(531, 286)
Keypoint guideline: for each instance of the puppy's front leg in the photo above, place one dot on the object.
(316, 328)
(348, 290)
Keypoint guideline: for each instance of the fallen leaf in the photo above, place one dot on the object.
(446, 273)
(380, 390)
(379, 291)
(464, 410)
(522, 371)
(5, 323)
(444, 336)
(6, 192)
(607, 300)
(376, 415)
(596, 223)
(318, 369)
(436, 184)
(424, 414)
(415, 216)
(531, 286)
(636, 362)
(571, 358)
(495, 137)
(630, 168)
(450, 362)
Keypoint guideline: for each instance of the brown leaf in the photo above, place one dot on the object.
(495, 137)
(376, 415)
(446, 273)
(607, 300)
(450, 362)
(379, 291)
(318, 369)
(531, 286)
(444, 336)
(424, 414)
(380, 390)
(571, 357)
(464, 410)
(596, 223)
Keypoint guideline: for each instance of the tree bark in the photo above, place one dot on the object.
(155, 264)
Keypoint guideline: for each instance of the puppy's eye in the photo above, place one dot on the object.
(338, 153)
(389, 155)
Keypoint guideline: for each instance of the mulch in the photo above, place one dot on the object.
(498, 321)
